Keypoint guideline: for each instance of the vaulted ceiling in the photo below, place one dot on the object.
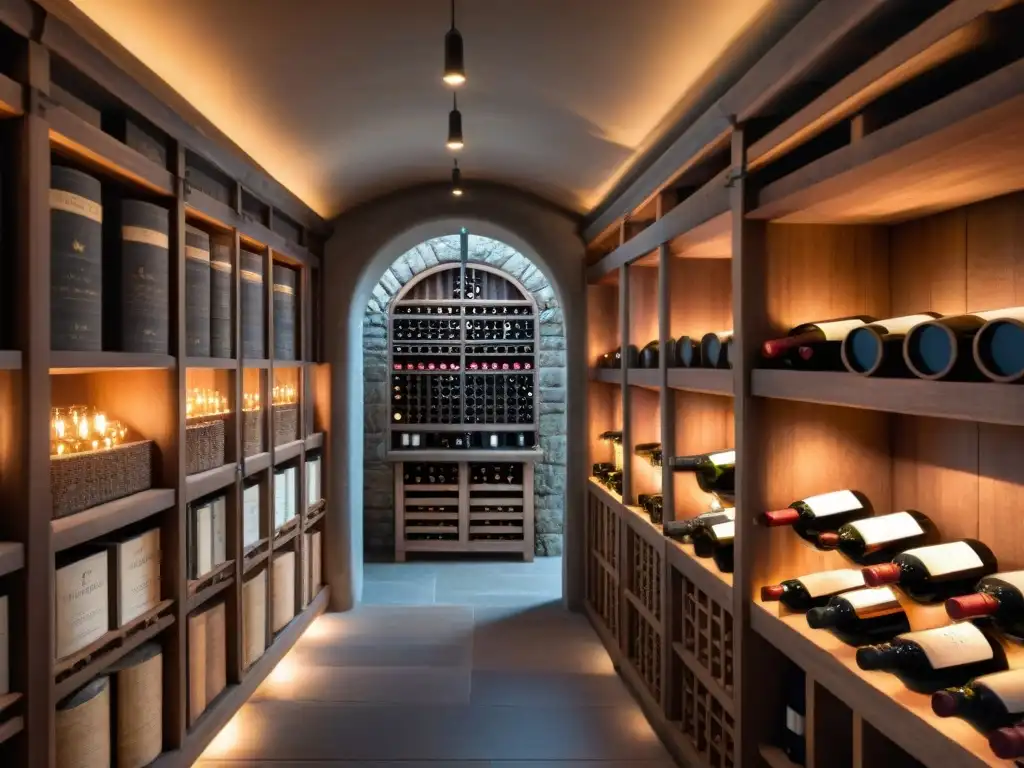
(342, 100)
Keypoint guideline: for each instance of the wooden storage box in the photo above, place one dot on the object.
(284, 590)
(252, 432)
(138, 707)
(207, 659)
(82, 727)
(82, 604)
(286, 423)
(204, 446)
(254, 618)
(82, 480)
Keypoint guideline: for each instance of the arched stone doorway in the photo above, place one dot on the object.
(378, 486)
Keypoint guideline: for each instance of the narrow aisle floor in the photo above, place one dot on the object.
(453, 665)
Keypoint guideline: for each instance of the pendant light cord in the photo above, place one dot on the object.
(453, 15)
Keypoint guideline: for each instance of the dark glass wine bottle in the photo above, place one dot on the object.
(715, 472)
(813, 333)
(687, 352)
(713, 348)
(999, 347)
(876, 349)
(646, 449)
(999, 597)
(1008, 743)
(813, 590)
(794, 739)
(716, 541)
(988, 702)
(878, 539)
(936, 573)
(649, 355)
(862, 616)
(814, 515)
(943, 348)
(933, 659)
(601, 469)
(683, 529)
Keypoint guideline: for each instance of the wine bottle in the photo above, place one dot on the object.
(933, 659)
(988, 702)
(824, 356)
(942, 348)
(611, 436)
(715, 472)
(716, 541)
(712, 349)
(876, 349)
(601, 469)
(687, 352)
(794, 739)
(819, 514)
(862, 616)
(1000, 597)
(878, 539)
(648, 357)
(1007, 743)
(934, 574)
(997, 348)
(682, 529)
(813, 590)
(811, 333)
(646, 449)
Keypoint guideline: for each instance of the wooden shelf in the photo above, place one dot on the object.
(223, 363)
(12, 557)
(315, 441)
(775, 757)
(70, 135)
(96, 521)
(483, 455)
(463, 428)
(255, 558)
(11, 98)
(92, 362)
(257, 463)
(709, 381)
(975, 401)
(219, 573)
(289, 364)
(958, 150)
(254, 362)
(10, 360)
(495, 487)
(649, 378)
(314, 516)
(11, 727)
(700, 570)
(606, 375)
(424, 488)
(205, 595)
(903, 716)
(8, 700)
(288, 451)
(203, 483)
(286, 533)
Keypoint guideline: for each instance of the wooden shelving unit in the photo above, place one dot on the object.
(147, 391)
(893, 187)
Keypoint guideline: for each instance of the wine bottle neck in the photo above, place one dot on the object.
(822, 618)
(949, 702)
(879, 656)
(686, 463)
(972, 606)
(772, 592)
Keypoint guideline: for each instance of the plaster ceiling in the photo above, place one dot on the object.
(342, 100)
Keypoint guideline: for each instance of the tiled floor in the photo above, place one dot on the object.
(446, 665)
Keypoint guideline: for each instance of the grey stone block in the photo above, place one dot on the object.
(552, 342)
(552, 424)
(402, 271)
(551, 359)
(554, 449)
(552, 377)
(552, 394)
(552, 315)
(372, 321)
(548, 521)
(548, 545)
(390, 282)
(550, 408)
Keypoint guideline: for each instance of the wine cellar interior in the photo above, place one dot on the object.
(722, 423)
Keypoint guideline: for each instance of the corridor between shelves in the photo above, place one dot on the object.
(474, 665)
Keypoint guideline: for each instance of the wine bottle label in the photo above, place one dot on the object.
(724, 532)
(1015, 313)
(794, 722)
(835, 503)
(881, 530)
(69, 202)
(1013, 578)
(145, 236)
(837, 330)
(904, 323)
(961, 643)
(872, 602)
(943, 559)
(722, 457)
(198, 254)
(1008, 686)
(831, 582)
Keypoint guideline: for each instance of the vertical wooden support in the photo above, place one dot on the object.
(399, 473)
(268, 425)
(528, 522)
(627, 451)
(463, 504)
(236, 663)
(668, 399)
(749, 318)
(31, 463)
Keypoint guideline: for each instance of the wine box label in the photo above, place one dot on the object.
(876, 531)
(832, 582)
(904, 323)
(942, 559)
(280, 500)
(220, 530)
(83, 610)
(1013, 578)
(134, 577)
(196, 666)
(961, 643)
(835, 503)
(5, 646)
(254, 618)
(1008, 686)
(312, 482)
(69, 202)
(837, 330)
(872, 602)
(722, 457)
(250, 516)
(794, 722)
(202, 540)
(724, 532)
(283, 591)
(197, 254)
(216, 652)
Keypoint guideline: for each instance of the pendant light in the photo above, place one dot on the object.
(456, 180)
(454, 61)
(455, 142)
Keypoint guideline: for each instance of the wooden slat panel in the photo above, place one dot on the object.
(929, 264)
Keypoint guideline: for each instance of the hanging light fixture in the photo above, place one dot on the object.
(454, 61)
(455, 142)
(456, 180)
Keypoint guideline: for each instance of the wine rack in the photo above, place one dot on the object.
(602, 576)
(462, 360)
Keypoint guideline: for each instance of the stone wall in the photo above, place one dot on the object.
(378, 482)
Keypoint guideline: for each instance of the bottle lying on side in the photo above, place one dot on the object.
(936, 573)
(601, 470)
(714, 472)
(680, 530)
(687, 353)
(999, 597)
(821, 336)
(944, 348)
(819, 514)
(714, 349)
(862, 616)
(716, 541)
(813, 590)
(876, 349)
(988, 702)
(649, 356)
(652, 504)
(933, 659)
(1008, 743)
(879, 539)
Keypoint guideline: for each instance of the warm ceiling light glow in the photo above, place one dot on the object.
(455, 140)
(454, 60)
(457, 192)
(456, 180)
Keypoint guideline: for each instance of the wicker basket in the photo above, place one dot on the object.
(286, 423)
(82, 480)
(252, 432)
(204, 446)
(138, 707)
(83, 727)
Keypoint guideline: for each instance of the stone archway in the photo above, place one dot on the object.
(378, 487)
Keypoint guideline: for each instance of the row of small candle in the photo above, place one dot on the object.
(205, 402)
(80, 428)
(285, 395)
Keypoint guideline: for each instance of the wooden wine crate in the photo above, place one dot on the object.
(602, 577)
